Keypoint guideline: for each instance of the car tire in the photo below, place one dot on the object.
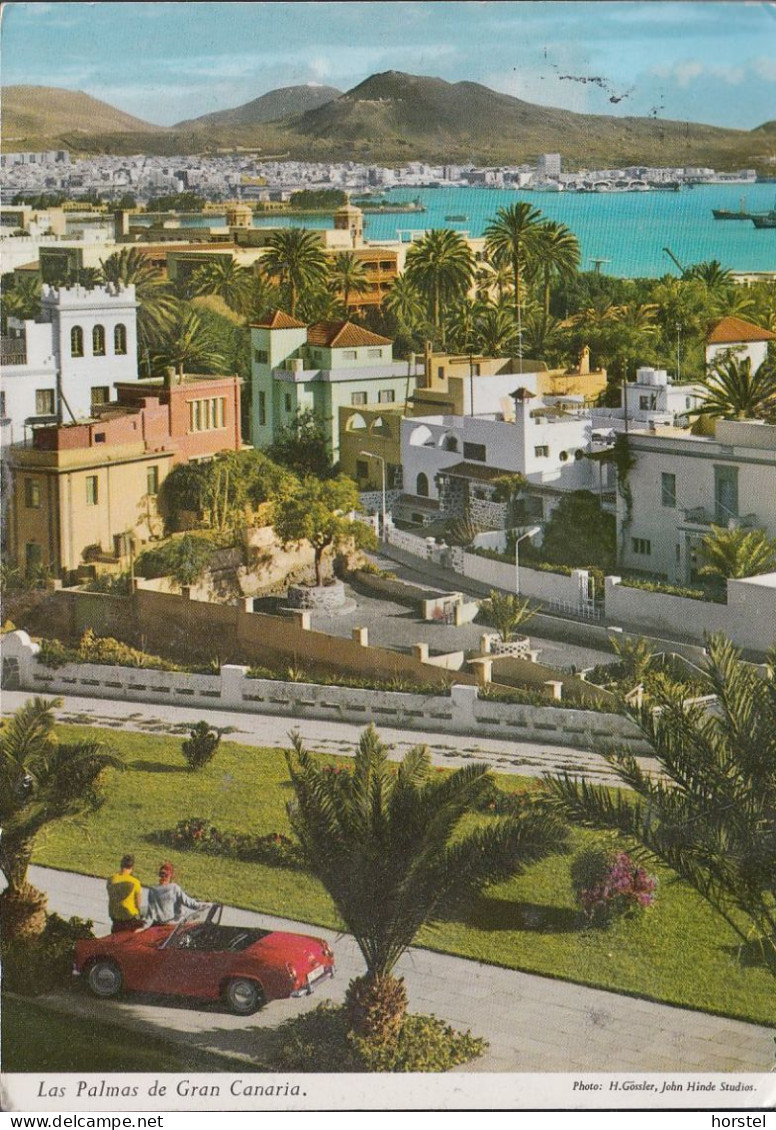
(105, 979)
(243, 996)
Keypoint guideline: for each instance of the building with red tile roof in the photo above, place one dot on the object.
(740, 337)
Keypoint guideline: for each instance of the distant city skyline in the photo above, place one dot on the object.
(712, 62)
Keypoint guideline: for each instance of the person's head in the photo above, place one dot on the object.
(166, 872)
(127, 862)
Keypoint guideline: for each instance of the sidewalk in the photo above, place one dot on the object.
(532, 1023)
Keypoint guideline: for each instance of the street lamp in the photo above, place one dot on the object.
(372, 455)
(534, 530)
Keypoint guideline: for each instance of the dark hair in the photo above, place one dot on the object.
(127, 861)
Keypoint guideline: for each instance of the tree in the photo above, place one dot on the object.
(635, 656)
(711, 273)
(130, 267)
(732, 391)
(391, 846)
(737, 553)
(556, 251)
(441, 267)
(495, 331)
(188, 559)
(405, 302)
(42, 780)
(225, 278)
(200, 747)
(349, 276)
(187, 344)
(318, 512)
(302, 445)
(580, 533)
(22, 298)
(709, 813)
(295, 257)
(506, 612)
(511, 238)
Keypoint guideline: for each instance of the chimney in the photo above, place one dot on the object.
(169, 376)
(584, 361)
(427, 354)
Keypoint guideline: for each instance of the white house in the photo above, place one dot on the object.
(653, 398)
(451, 464)
(741, 337)
(681, 484)
(64, 363)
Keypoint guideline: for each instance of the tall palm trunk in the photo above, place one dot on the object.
(22, 906)
(376, 1006)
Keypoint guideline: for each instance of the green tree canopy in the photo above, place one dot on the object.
(318, 512)
(296, 259)
(734, 391)
(302, 445)
(506, 612)
(737, 553)
(440, 266)
(580, 533)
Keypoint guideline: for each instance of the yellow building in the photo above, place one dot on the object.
(367, 435)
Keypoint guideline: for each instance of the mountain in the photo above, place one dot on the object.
(287, 102)
(48, 112)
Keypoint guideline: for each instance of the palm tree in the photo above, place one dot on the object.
(349, 275)
(295, 257)
(441, 267)
(733, 391)
(405, 302)
(712, 273)
(22, 300)
(187, 344)
(390, 845)
(495, 331)
(511, 238)
(709, 813)
(556, 249)
(225, 278)
(737, 553)
(635, 656)
(506, 612)
(41, 780)
(130, 267)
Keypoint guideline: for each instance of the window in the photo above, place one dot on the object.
(374, 353)
(122, 545)
(44, 402)
(441, 372)
(100, 395)
(261, 356)
(421, 485)
(99, 437)
(357, 399)
(92, 490)
(349, 354)
(2, 404)
(688, 402)
(644, 403)
(563, 456)
(207, 415)
(262, 409)
(725, 494)
(32, 494)
(98, 341)
(386, 396)
(641, 546)
(476, 369)
(362, 469)
(120, 339)
(668, 489)
(579, 454)
(542, 451)
(287, 402)
(76, 342)
(152, 480)
(475, 451)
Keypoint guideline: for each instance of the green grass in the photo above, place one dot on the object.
(35, 1038)
(679, 951)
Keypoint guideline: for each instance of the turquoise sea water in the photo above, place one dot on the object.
(628, 229)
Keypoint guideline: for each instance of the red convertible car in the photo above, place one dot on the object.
(243, 965)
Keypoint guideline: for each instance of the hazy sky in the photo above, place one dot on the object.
(710, 62)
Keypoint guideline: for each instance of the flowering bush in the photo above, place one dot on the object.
(198, 834)
(607, 883)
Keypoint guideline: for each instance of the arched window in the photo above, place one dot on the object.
(98, 341)
(421, 486)
(356, 423)
(379, 427)
(120, 338)
(76, 342)
(422, 437)
(449, 442)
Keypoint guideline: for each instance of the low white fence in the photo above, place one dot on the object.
(462, 712)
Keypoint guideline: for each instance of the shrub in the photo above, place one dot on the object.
(200, 747)
(670, 590)
(608, 884)
(320, 1041)
(106, 650)
(495, 801)
(38, 965)
(198, 834)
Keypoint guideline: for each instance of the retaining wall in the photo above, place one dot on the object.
(463, 712)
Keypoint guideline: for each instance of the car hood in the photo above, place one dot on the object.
(129, 939)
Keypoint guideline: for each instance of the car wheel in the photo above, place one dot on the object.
(105, 979)
(243, 996)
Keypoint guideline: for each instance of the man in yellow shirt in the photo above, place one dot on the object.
(124, 892)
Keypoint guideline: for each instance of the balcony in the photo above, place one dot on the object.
(13, 351)
(701, 518)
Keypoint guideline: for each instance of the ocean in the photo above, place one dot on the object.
(627, 230)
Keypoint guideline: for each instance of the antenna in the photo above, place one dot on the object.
(597, 263)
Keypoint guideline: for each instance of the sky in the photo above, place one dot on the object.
(699, 61)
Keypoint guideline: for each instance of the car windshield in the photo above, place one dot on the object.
(208, 915)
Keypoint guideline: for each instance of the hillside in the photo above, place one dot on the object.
(287, 102)
(48, 112)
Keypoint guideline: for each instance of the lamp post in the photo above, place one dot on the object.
(372, 455)
(534, 530)
(678, 352)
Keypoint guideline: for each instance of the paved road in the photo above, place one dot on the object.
(532, 1023)
(453, 750)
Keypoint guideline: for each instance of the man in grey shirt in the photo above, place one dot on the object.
(167, 900)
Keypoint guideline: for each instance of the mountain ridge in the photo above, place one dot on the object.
(285, 102)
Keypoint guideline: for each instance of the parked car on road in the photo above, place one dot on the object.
(244, 966)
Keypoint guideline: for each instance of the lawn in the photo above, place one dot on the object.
(36, 1039)
(678, 951)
